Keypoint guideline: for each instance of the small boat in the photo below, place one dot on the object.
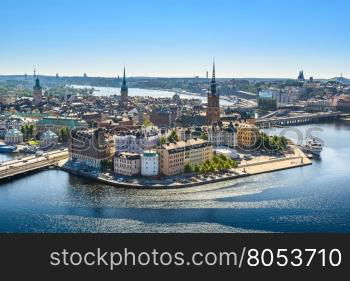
(310, 156)
(313, 146)
(4, 148)
(29, 150)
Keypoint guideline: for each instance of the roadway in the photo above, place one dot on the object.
(31, 163)
(300, 116)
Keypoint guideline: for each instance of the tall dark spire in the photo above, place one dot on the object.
(124, 88)
(213, 82)
(37, 84)
(124, 79)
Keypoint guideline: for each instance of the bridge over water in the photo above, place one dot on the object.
(297, 119)
(30, 164)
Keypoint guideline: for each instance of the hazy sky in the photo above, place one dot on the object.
(176, 38)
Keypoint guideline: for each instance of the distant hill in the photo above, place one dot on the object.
(341, 80)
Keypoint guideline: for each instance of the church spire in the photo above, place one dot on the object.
(213, 82)
(213, 78)
(124, 88)
(124, 79)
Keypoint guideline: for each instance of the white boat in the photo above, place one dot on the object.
(313, 146)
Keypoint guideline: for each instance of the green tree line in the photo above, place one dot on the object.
(219, 163)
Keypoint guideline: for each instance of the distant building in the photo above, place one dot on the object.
(176, 99)
(222, 136)
(48, 139)
(174, 156)
(13, 136)
(7, 99)
(213, 109)
(92, 117)
(319, 105)
(127, 164)
(342, 103)
(11, 122)
(88, 146)
(247, 135)
(162, 117)
(149, 163)
(266, 100)
(37, 92)
(301, 77)
(136, 141)
(193, 120)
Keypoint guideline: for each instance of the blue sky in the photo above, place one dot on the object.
(176, 38)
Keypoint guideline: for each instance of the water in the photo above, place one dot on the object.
(135, 92)
(310, 199)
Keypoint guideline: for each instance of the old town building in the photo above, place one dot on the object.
(89, 146)
(174, 156)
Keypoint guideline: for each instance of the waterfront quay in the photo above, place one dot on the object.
(31, 164)
(257, 165)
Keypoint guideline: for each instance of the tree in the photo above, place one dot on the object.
(204, 136)
(216, 159)
(64, 134)
(189, 168)
(197, 169)
(173, 137)
(162, 140)
(147, 123)
(223, 157)
(106, 164)
(27, 130)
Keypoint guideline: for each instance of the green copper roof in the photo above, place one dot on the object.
(65, 122)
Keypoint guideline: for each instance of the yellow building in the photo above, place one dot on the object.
(247, 135)
(174, 156)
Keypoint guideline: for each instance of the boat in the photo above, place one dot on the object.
(310, 156)
(313, 146)
(4, 148)
(29, 150)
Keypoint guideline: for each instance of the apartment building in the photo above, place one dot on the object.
(89, 146)
(247, 135)
(174, 156)
(127, 164)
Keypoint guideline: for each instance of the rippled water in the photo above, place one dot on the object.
(310, 199)
(136, 92)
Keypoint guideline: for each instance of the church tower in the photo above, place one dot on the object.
(213, 109)
(37, 92)
(124, 90)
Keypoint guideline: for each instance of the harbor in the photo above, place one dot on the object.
(313, 198)
(255, 166)
(59, 160)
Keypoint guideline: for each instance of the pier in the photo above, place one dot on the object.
(297, 119)
(31, 164)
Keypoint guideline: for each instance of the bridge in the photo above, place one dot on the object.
(30, 164)
(297, 119)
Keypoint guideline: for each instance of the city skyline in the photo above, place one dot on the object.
(176, 39)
